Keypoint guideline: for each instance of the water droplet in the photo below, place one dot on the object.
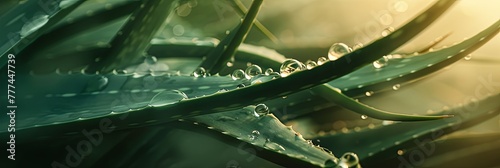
(252, 71)
(290, 66)
(269, 71)
(401, 152)
(167, 97)
(254, 135)
(369, 93)
(225, 118)
(329, 163)
(468, 57)
(150, 60)
(36, 23)
(96, 83)
(382, 62)
(387, 31)
(322, 60)
(364, 117)
(240, 85)
(396, 87)
(229, 64)
(263, 78)
(310, 64)
(357, 46)
(273, 146)
(349, 159)
(261, 109)
(238, 74)
(338, 50)
(200, 72)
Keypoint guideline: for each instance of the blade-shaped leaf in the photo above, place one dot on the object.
(26, 22)
(130, 43)
(383, 141)
(225, 50)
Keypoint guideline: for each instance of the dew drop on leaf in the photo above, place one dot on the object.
(396, 87)
(273, 146)
(349, 159)
(369, 93)
(322, 60)
(238, 74)
(269, 71)
(200, 72)
(382, 62)
(290, 66)
(261, 109)
(254, 135)
(387, 31)
(468, 57)
(167, 97)
(96, 83)
(225, 118)
(252, 70)
(310, 64)
(338, 50)
(364, 117)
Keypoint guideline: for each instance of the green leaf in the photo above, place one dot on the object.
(405, 70)
(225, 50)
(20, 33)
(268, 133)
(131, 42)
(370, 147)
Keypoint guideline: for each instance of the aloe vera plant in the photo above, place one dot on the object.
(127, 96)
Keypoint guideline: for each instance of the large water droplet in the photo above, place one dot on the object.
(261, 109)
(338, 50)
(322, 60)
(36, 23)
(200, 72)
(349, 159)
(238, 74)
(96, 83)
(252, 71)
(382, 62)
(396, 87)
(310, 64)
(273, 146)
(290, 66)
(167, 97)
(254, 135)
